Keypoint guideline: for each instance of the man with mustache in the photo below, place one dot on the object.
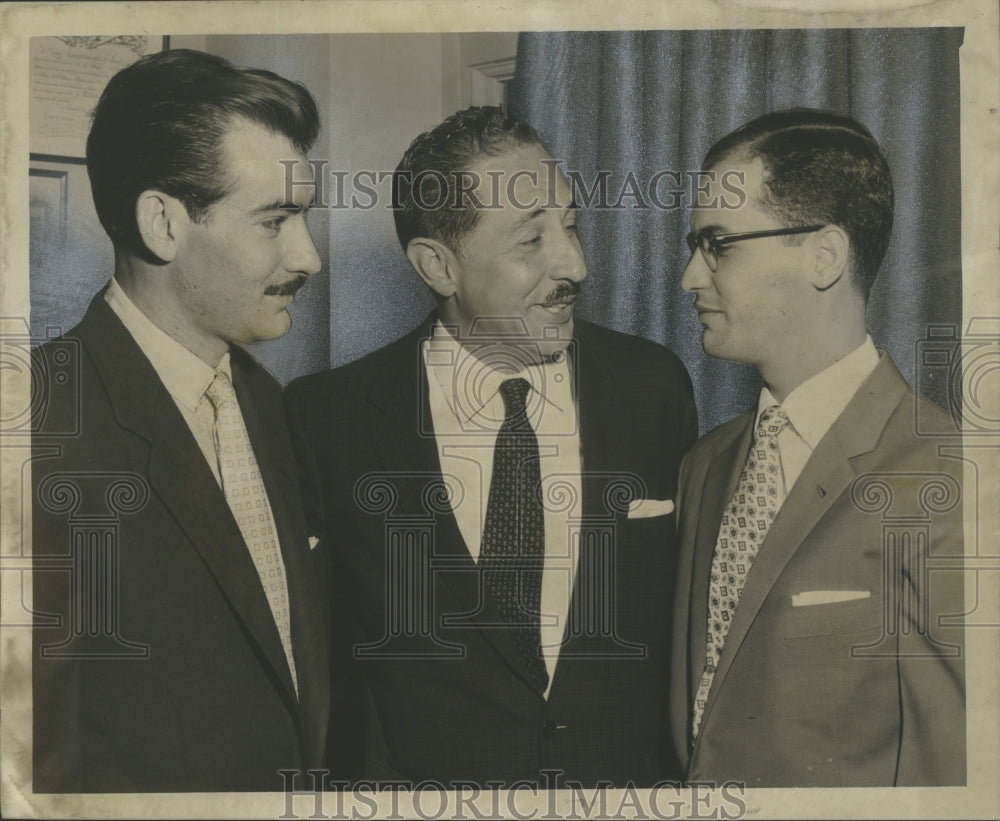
(819, 637)
(495, 492)
(179, 639)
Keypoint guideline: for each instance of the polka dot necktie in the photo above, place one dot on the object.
(247, 498)
(745, 523)
(513, 546)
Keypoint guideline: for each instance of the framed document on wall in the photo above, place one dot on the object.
(67, 77)
(70, 255)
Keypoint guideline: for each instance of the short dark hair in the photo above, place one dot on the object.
(160, 124)
(425, 185)
(821, 167)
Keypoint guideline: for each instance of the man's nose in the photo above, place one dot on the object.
(569, 261)
(303, 258)
(696, 273)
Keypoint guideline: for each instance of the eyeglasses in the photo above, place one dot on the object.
(711, 243)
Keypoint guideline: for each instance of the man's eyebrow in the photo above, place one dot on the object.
(526, 218)
(708, 230)
(281, 205)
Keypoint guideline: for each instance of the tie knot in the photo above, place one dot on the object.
(221, 392)
(515, 395)
(771, 421)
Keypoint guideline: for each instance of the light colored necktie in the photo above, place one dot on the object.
(745, 523)
(247, 498)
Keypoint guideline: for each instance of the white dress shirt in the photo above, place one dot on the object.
(185, 376)
(814, 406)
(468, 412)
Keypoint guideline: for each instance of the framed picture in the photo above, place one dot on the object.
(67, 77)
(47, 206)
(69, 255)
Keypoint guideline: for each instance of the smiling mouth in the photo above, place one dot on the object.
(562, 299)
(285, 288)
(561, 305)
(558, 312)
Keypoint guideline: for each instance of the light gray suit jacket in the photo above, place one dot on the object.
(867, 691)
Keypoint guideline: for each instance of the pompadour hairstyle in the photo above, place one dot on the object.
(820, 167)
(428, 182)
(160, 124)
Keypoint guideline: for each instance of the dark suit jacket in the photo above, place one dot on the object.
(864, 692)
(157, 663)
(453, 700)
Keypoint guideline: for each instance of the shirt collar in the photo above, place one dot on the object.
(185, 375)
(814, 406)
(470, 385)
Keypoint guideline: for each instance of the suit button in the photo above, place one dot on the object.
(549, 729)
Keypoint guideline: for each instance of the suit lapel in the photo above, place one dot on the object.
(602, 457)
(826, 476)
(599, 412)
(406, 448)
(179, 475)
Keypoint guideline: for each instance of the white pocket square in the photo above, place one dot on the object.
(647, 508)
(313, 541)
(811, 597)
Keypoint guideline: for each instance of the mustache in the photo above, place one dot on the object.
(562, 292)
(285, 288)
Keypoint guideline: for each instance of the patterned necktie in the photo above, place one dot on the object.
(745, 523)
(513, 546)
(247, 498)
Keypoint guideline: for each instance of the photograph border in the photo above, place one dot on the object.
(981, 308)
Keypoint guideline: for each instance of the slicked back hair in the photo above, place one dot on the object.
(160, 124)
(427, 184)
(820, 167)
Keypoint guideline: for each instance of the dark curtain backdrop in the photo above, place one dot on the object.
(637, 103)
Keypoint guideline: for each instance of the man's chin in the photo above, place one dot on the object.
(553, 340)
(709, 345)
(722, 347)
(513, 346)
(277, 327)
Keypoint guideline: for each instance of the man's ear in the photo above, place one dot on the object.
(159, 218)
(435, 263)
(833, 257)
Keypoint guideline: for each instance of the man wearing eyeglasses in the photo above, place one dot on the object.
(815, 619)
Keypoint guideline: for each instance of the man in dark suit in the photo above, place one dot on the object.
(179, 632)
(496, 492)
(818, 637)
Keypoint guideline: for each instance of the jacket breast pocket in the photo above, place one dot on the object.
(654, 532)
(834, 618)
